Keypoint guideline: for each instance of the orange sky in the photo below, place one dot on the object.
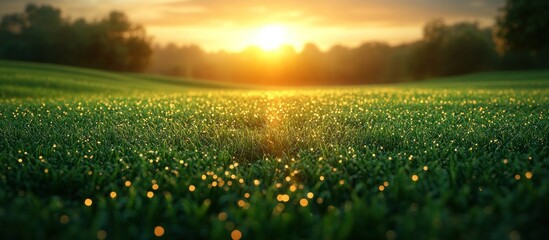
(235, 24)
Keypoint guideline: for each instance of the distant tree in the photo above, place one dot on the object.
(427, 61)
(11, 29)
(522, 33)
(119, 45)
(177, 61)
(523, 25)
(399, 67)
(340, 63)
(466, 49)
(40, 34)
(371, 62)
(310, 65)
(453, 49)
(32, 35)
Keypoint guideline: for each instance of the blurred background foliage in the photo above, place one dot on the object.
(518, 41)
(41, 34)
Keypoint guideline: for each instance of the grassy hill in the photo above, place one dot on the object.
(536, 79)
(126, 156)
(21, 79)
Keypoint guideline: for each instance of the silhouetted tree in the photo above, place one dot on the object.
(523, 25)
(371, 62)
(452, 49)
(32, 35)
(522, 33)
(310, 65)
(40, 34)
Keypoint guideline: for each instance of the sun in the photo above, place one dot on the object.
(271, 37)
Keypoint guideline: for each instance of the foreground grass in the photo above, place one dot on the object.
(401, 162)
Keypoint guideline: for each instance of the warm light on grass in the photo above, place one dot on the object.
(273, 161)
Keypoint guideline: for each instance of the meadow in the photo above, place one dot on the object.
(86, 154)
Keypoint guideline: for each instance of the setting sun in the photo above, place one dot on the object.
(271, 37)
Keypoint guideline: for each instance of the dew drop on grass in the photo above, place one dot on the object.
(236, 234)
(222, 216)
(159, 231)
(303, 202)
(101, 234)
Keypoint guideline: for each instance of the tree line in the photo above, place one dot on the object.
(444, 50)
(41, 34)
(519, 40)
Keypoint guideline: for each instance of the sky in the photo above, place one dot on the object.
(234, 24)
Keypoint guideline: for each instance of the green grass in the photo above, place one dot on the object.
(20, 79)
(68, 134)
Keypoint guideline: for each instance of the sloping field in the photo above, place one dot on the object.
(88, 154)
(20, 79)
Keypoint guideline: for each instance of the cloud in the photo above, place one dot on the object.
(245, 12)
(203, 21)
(327, 12)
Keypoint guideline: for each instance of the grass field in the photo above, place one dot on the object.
(87, 154)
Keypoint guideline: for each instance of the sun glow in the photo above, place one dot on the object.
(271, 37)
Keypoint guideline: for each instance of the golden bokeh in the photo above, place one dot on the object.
(101, 234)
(236, 234)
(64, 219)
(159, 231)
(303, 202)
(222, 216)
